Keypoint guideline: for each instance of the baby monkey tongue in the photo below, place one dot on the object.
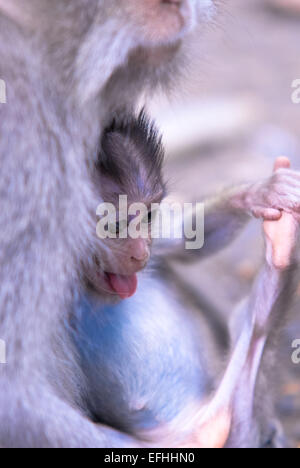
(124, 286)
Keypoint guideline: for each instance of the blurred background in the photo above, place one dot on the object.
(227, 122)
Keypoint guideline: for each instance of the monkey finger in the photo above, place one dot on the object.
(289, 203)
(282, 162)
(281, 240)
(284, 198)
(269, 214)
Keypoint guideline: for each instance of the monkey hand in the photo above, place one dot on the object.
(281, 235)
(268, 198)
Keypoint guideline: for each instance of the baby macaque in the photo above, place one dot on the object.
(168, 402)
(129, 172)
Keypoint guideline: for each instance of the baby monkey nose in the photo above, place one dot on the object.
(140, 252)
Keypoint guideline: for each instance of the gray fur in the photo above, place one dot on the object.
(68, 66)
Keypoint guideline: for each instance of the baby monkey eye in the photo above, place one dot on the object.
(151, 216)
(117, 228)
(111, 228)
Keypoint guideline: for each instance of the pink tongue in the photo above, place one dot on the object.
(124, 286)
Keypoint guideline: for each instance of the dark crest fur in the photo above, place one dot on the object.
(132, 154)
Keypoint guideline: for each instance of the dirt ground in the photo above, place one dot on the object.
(248, 61)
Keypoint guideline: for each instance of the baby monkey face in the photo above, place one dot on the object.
(125, 248)
(131, 185)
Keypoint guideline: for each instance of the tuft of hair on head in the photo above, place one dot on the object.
(132, 154)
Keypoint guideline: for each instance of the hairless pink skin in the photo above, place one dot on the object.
(281, 235)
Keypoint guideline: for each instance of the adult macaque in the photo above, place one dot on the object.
(68, 66)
